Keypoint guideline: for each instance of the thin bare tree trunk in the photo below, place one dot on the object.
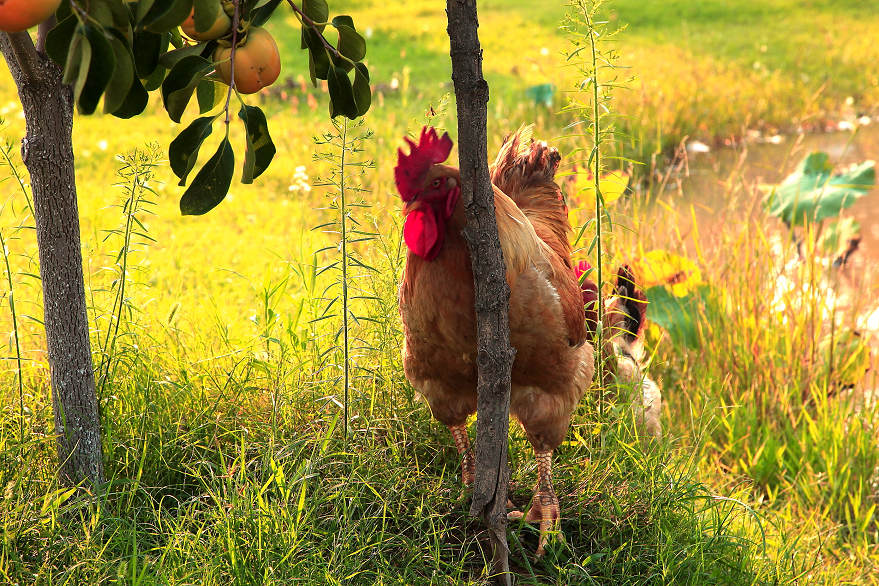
(494, 356)
(47, 152)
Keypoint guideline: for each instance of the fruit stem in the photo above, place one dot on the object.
(235, 20)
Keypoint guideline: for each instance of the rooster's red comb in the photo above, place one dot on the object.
(410, 169)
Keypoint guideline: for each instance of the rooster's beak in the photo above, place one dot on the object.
(413, 204)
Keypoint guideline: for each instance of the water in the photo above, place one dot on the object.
(769, 164)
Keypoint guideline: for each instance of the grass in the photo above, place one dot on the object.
(222, 427)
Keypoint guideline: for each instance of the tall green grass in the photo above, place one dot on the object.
(221, 403)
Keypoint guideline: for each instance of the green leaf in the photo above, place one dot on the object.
(111, 14)
(81, 66)
(123, 74)
(73, 66)
(155, 79)
(341, 94)
(183, 150)
(316, 10)
(135, 102)
(351, 44)
(679, 316)
(260, 15)
(166, 15)
(147, 48)
(101, 64)
(143, 8)
(206, 93)
(343, 20)
(260, 148)
(812, 194)
(180, 83)
(59, 38)
(169, 59)
(318, 60)
(362, 91)
(205, 14)
(211, 184)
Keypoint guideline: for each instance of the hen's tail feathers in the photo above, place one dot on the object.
(627, 312)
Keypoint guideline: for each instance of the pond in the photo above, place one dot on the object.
(770, 161)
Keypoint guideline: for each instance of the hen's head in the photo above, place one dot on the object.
(429, 190)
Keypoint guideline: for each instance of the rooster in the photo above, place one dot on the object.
(554, 361)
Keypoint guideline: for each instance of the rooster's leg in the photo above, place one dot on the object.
(545, 504)
(462, 444)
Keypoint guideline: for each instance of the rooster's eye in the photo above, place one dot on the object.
(436, 182)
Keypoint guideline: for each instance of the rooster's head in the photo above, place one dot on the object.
(429, 190)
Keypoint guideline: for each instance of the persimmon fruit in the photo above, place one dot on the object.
(19, 15)
(257, 62)
(221, 26)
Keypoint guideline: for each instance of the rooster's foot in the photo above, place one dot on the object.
(544, 510)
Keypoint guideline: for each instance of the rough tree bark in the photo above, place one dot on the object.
(494, 355)
(47, 152)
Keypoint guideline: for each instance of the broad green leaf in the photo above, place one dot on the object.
(155, 79)
(260, 148)
(343, 20)
(207, 95)
(123, 74)
(319, 61)
(812, 193)
(183, 151)
(143, 8)
(341, 94)
(260, 15)
(316, 10)
(351, 44)
(205, 14)
(111, 14)
(135, 102)
(362, 91)
(180, 83)
(80, 66)
(147, 48)
(102, 63)
(679, 316)
(73, 66)
(169, 59)
(211, 184)
(166, 15)
(64, 10)
(59, 38)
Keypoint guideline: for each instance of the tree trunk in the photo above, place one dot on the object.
(47, 152)
(494, 356)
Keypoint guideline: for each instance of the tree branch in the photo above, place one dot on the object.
(22, 48)
(42, 31)
(492, 294)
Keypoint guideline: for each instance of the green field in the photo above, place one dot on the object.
(222, 400)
